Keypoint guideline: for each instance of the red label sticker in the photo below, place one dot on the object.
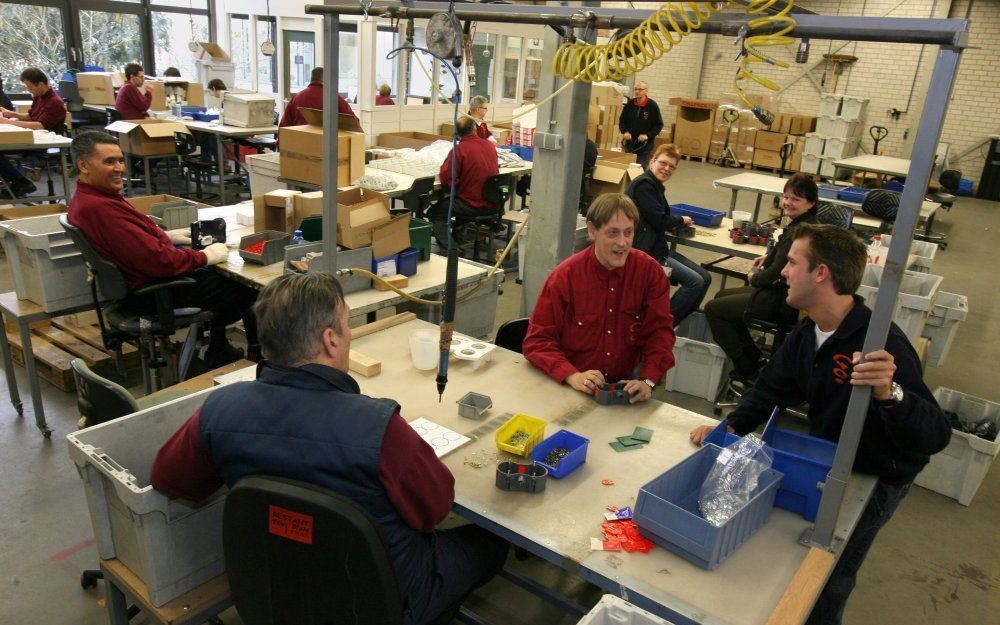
(291, 525)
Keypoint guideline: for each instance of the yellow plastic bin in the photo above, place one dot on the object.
(532, 426)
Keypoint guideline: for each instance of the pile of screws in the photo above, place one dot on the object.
(554, 457)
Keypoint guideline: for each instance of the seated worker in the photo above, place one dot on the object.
(216, 88)
(765, 297)
(47, 112)
(134, 98)
(475, 161)
(311, 98)
(206, 140)
(145, 253)
(304, 418)
(383, 98)
(477, 111)
(603, 314)
(903, 426)
(655, 219)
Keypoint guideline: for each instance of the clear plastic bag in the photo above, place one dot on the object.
(733, 479)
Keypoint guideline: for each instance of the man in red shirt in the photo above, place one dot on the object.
(477, 111)
(145, 253)
(47, 112)
(304, 418)
(603, 314)
(134, 98)
(384, 97)
(475, 162)
(311, 98)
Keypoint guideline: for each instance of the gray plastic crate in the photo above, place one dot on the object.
(923, 252)
(473, 317)
(612, 610)
(346, 259)
(46, 266)
(949, 311)
(959, 469)
(174, 215)
(171, 545)
(667, 511)
(917, 294)
(699, 361)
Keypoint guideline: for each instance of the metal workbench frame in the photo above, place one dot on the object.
(562, 120)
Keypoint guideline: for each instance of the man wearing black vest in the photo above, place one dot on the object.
(305, 419)
(640, 123)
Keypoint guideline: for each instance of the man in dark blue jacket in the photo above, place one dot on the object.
(819, 362)
(655, 220)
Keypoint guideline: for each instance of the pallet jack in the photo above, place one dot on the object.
(728, 157)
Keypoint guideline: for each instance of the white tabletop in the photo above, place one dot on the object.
(229, 131)
(888, 165)
(43, 141)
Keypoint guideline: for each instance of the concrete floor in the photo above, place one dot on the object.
(937, 562)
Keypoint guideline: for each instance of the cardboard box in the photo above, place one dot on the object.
(15, 135)
(99, 87)
(20, 212)
(146, 137)
(359, 212)
(767, 158)
(795, 160)
(392, 237)
(143, 203)
(409, 139)
(782, 123)
(612, 177)
(694, 125)
(208, 51)
(283, 210)
(767, 140)
(614, 156)
(801, 124)
(301, 150)
(194, 93)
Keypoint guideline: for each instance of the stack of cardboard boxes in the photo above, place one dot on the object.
(787, 128)
(694, 126)
(301, 149)
(606, 103)
(741, 135)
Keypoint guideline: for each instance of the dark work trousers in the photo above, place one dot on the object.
(642, 157)
(228, 299)
(460, 211)
(465, 558)
(829, 608)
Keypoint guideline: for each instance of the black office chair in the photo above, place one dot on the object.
(80, 117)
(114, 115)
(419, 197)
(510, 335)
(835, 215)
(949, 180)
(884, 205)
(281, 571)
(194, 166)
(496, 190)
(151, 332)
(98, 399)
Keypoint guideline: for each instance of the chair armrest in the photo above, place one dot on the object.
(164, 293)
(168, 284)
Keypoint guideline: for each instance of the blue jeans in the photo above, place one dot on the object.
(694, 281)
(829, 608)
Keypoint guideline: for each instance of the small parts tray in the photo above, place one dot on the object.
(468, 348)
(612, 394)
(273, 250)
(523, 478)
(532, 427)
(473, 405)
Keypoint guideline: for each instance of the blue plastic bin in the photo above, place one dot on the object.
(92, 68)
(576, 444)
(667, 511)
(205, 117)
(524, 151)
(893, 185)
(965, 186)
(804, 460)
(701, 216)
(377, 261)
(853, 194)
(828, 191)
(406, 261)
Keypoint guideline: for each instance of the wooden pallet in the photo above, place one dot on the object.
(91, 335)
(51, 362)
(700, 159)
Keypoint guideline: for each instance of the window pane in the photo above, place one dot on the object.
(511, 64)
(532, 69)
(267, 66)
(348, 70)
(186, 4)
(483, 49)
(241, 40)
(420, 68)
(172, 32)
(386, 70)
(449, 87)
(110, 40)
(32, 37)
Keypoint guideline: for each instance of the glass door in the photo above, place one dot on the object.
(300, 59)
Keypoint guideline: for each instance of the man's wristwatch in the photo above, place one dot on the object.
(650, 383)
(895, 397)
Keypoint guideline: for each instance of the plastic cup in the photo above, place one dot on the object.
(740, 218)
(424, 348)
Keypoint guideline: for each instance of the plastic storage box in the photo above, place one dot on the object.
(892, 185)
(525, 152)
(826, 167)
(473, 317)
(612, 610)
(699, 361)
(406, 261)
(923, 252)
(701, 216)
(420, 237)
(917, 294)
(264, 172)
(814, 144)
(838, 147)
(205, 117)
(804, 460)
(247, 110)
(829, 104)
(853, 107)
(45, 265)
(473, 405)
(532, 426)
(171, 545)
(836, 126)
(852, 194)
(274, 247)
(667, 511)
(828, 191)
(958, 471)
(810, 163)
(950, 309)
(577, 446)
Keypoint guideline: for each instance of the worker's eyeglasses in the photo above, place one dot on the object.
(666, 165)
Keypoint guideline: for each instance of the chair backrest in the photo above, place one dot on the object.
(882, 204)
(114, 115)
(511, 334)
(70, 93)
(110, 280)
(419, 196)
(496, 189)
(298, 553)
(99, 399)
(184, 143)
(950, 179)
(834, 215)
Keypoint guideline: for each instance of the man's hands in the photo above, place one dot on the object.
(876, 372)
(699, 433)
(687, 220)
(180, 236)
(585, 381)
(627, 135)
(639, 390)
(759, 262)
(216, 253)
(643, 138)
